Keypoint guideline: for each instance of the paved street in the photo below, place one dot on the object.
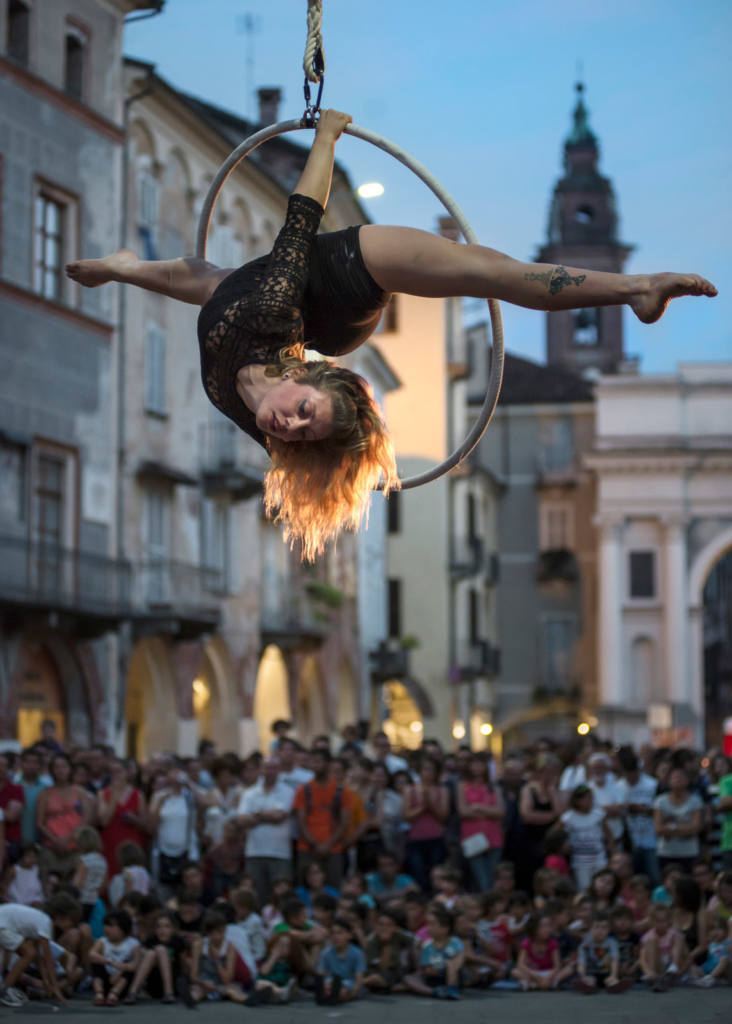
(680, 1006)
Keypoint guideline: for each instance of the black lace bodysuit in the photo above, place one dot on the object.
(308, 289)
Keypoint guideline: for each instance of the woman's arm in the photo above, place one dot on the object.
(414, 804)
(468, 810)
(316, 176)
(690, 828)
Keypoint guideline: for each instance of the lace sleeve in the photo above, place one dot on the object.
(280, 293)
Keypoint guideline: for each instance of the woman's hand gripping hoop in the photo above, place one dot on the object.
(495, 376)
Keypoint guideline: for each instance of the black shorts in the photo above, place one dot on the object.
(343, 304)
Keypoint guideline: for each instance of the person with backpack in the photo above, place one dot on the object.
(322, 809)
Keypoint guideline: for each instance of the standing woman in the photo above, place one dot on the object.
(61, 809)
(173, 826)
(122, 815)
(539, 808)
(319, 422)
(481, 810)
(426, 809)
(678, 817)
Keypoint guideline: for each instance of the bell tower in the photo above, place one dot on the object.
(583, 232)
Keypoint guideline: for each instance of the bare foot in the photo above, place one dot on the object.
(651, 304)
(92, 273)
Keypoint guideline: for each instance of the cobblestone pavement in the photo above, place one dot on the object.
(680, 1006)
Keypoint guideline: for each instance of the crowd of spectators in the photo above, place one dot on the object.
(341, 869)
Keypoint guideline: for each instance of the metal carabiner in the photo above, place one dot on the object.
(312, 111)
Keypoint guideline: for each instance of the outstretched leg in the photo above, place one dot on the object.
(187, 278)
(418, 263)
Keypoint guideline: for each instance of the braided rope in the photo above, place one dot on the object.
(314, 40)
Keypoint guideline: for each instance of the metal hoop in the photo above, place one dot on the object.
(495, 376)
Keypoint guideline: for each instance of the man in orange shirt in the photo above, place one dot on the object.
(322, 808)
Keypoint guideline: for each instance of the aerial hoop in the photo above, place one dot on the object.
(495, 376)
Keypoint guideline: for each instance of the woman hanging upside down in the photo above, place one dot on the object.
(318, 421)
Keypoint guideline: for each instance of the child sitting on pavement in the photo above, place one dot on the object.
(538, 965)
(621, 920)
(388, 954)
(441, 958)
(662, 950)
(598, 960)
(716, 966)
(341, 967)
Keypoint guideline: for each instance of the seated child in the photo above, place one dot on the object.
(662, 950)
(559, 913)
(388, 954)
(639, 902)
(519, 912)
(721, 902)
(134, 876)
(349, 908)
(556, 844)
(114, 959)
(505, 878)
(543, 886)
(272, 913)
(341, 967)
(621, 863)
(598, 960)
(311, 937)
(664, 893)
(161, 966)
(480, 970)
(23, 882)
(581, 917)
(284, 964)
(622, 925)
(604, 889)
(387, 880)
(538, 962)
(213, 963)
(492, 930)
(447, 888)
(716, 966)
(440, 958)
(246, 916)
(415, 911)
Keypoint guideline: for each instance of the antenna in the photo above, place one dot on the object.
(248, 25)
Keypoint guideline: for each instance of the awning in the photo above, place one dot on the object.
(152, 470)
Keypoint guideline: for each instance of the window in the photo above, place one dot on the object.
(395, 608)
(155, 370)
(147, 206)
(18, 46)
(642, 572)
(556, 444)
(473, 616)
(214, 542)
(12, 482)
(586, 326)
(556, 527)
(54, 486)
(156, 524)
(557, 645)
(75, 62)
(49, 239)
(394, 512)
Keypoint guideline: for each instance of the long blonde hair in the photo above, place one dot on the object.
(317, 488)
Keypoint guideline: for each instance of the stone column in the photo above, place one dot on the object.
(675, 613)
(610, 622)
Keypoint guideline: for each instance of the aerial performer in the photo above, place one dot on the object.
(328, 445)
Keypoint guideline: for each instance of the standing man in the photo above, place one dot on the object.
(30, 782)
(606, 790)
(637, 791)
(323, 812)
(264, 811)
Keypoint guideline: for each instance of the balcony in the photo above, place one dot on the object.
(289, 617)
(390, 660)
(176, 597)
(224, 470)
(557, 564)
(477, 659)
(93, 591)
(469, 558)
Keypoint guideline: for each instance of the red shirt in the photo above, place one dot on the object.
(9, 792)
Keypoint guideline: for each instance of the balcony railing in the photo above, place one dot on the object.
(40, 574)
(477, 658)
(289, 616)
(225, 466)
(389, 661)
(162, 584)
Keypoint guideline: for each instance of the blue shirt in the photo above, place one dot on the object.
(345, 966)
(376, 887)
(431, 956)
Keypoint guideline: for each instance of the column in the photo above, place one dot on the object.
(675, 612)
(609, 624)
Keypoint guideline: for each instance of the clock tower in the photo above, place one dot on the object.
(583, 232)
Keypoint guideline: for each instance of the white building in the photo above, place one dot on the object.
(663, 461)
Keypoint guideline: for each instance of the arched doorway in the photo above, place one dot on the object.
(271, 694)
(403, 723)
(346, 705)
(40, 693)
(717, 648)
(151, 717)
(216, 717)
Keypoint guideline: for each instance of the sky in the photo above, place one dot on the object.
(481, 93)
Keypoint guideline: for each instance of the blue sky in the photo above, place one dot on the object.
(481, 93)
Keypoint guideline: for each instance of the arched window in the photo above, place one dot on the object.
(18, 44)
(174, 215)
(146, 191)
